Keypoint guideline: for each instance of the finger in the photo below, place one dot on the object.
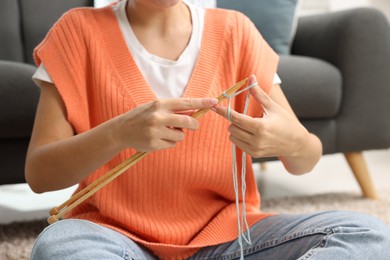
(252, 80)
(244, 146)
(172, 134)
(260, 96)
(187, 112)
(241, 134)
(181, 121)
(165, 144)
(243, 121)
(183, 104)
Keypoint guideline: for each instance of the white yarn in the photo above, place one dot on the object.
(241, 219)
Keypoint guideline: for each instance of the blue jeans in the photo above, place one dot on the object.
(326, 235)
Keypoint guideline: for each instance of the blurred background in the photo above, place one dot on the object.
(318, 6)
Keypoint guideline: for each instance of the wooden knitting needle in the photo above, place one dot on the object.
(77, 199)
(57, 212)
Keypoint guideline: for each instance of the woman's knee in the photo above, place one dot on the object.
(361, 234)
(359, 220)
(75, 238)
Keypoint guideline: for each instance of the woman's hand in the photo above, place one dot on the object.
(159, 124)
(58, 158)
(277, 134)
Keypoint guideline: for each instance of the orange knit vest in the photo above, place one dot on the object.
(174, 201)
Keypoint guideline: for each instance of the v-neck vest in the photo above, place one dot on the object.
(173, 201)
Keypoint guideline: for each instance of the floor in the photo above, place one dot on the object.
(332, 174)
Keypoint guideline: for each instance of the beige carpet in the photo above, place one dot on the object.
(16, 239)
(333, 201)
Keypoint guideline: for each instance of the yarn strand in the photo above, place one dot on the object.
(242, 223)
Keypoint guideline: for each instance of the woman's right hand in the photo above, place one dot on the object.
(58, 158)
(159, 124)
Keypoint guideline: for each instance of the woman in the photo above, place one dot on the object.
(123, 79)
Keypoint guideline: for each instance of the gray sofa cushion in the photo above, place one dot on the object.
(10, 37)
(37, 23)
(20, 99)
(273, 18)
(314, 90)
(13, 156)
(325, 130)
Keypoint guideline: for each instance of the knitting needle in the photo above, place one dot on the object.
(57, 212)
(84, 194)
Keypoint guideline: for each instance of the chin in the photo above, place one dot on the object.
(164, 3)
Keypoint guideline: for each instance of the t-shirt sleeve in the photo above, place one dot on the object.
(41, 74)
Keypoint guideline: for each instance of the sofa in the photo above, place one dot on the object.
(23, 24)
(338, 82)
(336, 78)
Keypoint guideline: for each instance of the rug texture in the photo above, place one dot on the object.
(16, 239)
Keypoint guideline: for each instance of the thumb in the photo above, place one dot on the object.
(259, 95)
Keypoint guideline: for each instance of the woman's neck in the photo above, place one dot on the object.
(158, 17)
(162, 30)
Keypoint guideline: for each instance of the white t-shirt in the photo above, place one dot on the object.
(167, 78)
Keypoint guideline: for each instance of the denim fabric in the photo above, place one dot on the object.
(326, 235)
(76, 239)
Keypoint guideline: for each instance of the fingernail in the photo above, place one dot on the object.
(213, 101)
(213, 109)
(252, 79)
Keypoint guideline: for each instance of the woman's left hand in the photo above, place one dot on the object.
(277, 133)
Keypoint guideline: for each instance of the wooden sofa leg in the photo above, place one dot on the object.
(358, 165)
(263, 166)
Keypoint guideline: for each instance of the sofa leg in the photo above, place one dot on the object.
(358, 165)
(263, 166)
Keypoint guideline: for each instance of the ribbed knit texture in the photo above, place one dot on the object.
(173, 201)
